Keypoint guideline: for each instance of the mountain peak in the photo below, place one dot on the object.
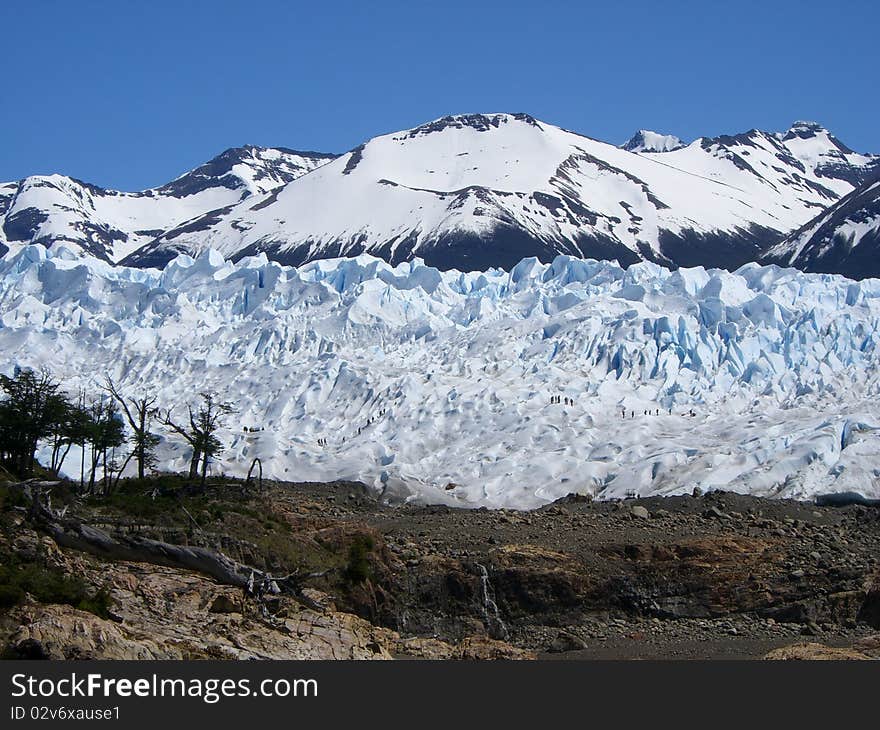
(647, 141)
(250, 167)
(804, 127)
(812, 130)
(809, 131)
(477, 122)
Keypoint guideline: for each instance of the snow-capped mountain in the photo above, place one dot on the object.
(845, 239)
(647, 141)
(467, 192)
(482, 190)
(439, 384)
(108, 224)
(822, 152)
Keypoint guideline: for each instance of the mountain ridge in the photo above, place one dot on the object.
(466, 191)
(843, 239)
(481, 190)
(109, 224)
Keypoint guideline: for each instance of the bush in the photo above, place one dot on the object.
(358, 568)
(98, 604)
(10, 498)
(10, 594)
(47, 585)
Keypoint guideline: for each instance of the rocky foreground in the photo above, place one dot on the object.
(715, 576)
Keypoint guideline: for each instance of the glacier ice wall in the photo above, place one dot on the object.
(437, 385)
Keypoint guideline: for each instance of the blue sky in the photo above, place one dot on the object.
(130, 94)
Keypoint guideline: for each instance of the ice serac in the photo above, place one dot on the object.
(55, 209)
(437, 385)
(474, 191)
(843, 239)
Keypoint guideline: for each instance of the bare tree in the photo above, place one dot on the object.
(139, 413)
(202, 432)
(193, 441)
(256, 462)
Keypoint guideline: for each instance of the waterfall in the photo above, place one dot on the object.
(496, 627)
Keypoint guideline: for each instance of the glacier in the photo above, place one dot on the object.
(436, 386)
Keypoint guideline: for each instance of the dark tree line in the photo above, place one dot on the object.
(35, 410)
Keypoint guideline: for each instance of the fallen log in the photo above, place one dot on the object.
(72, 533)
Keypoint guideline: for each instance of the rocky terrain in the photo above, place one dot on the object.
(714, 576)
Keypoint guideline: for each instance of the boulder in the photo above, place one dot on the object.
(226, 603)
(565, 641)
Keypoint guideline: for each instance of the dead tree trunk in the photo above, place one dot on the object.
(194, 463)
(255, 462)
(70, 532)
(192, 440)
(138, 417)
(119, 473)
(204, 469)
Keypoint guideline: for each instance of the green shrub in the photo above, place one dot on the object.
(10, 594)
(98, 604)
(47, 585)
(358, 568)
(10, 498)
